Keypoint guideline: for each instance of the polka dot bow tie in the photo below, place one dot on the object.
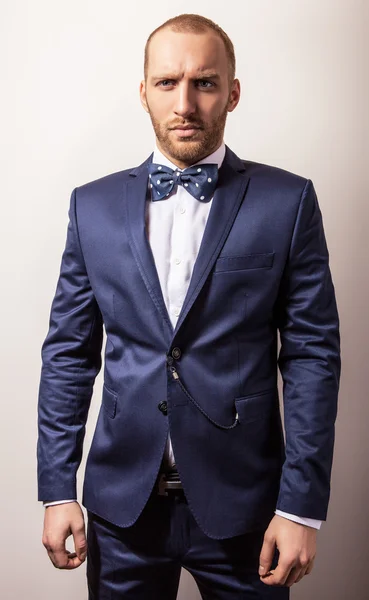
(200, 181)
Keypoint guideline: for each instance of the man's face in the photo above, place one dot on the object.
(188, 94)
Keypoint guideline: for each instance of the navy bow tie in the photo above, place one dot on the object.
(200, 180)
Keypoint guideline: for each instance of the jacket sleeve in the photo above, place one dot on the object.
(309, 362)
(71, 359)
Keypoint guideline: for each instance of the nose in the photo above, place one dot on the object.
(185, 101)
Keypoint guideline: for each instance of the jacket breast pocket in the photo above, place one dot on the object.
(247, 261)
(256, 406)
(109, 401)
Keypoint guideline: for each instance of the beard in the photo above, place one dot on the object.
(190, 150)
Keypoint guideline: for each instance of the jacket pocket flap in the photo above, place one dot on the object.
(248, 261)
(109, 401)
(256, 406)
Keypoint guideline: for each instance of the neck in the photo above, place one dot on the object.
(184, 164)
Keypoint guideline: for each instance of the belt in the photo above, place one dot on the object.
(169, 483)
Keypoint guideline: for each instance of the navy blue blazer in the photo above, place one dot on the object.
(262, 269)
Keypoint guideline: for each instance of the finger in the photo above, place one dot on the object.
(302, 574)
(62, 558)
(266, 555)
(80, 542)
(279, 575)
(58, 556)
(66, 561)
(56, 551)
(310, 566)
(73, 561)
(295, 575)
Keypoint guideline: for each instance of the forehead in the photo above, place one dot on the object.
(170, 51)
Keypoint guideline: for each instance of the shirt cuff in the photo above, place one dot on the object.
(58, 502)
(302, 520)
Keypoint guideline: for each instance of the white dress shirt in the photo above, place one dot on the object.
(175, 227)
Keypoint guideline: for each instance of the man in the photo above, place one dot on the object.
(193, 262)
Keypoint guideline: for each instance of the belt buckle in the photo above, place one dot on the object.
(165, 486)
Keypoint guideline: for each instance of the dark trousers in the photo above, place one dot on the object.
(143, 562)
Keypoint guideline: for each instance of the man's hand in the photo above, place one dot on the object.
(60, 522)
(297, 548)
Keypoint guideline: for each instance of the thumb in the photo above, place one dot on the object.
(80, 542)
(266, 555)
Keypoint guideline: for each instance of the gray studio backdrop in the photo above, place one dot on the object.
(70, 113)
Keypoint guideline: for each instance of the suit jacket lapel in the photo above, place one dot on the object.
(231, 189)
(135, 202)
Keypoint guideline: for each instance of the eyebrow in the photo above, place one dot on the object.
(201, 75)
(208, 75)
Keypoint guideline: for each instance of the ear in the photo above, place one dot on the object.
(143, 95)
(234, 96)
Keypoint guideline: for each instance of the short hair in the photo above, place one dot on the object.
(190, 23)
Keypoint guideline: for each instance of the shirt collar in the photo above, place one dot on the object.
(216, 157)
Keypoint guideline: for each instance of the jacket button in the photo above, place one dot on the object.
(163, 407)
(176, 353)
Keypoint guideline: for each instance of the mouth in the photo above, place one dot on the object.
(186, 130)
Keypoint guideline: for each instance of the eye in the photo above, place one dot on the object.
(205, 83)
(166, 83)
